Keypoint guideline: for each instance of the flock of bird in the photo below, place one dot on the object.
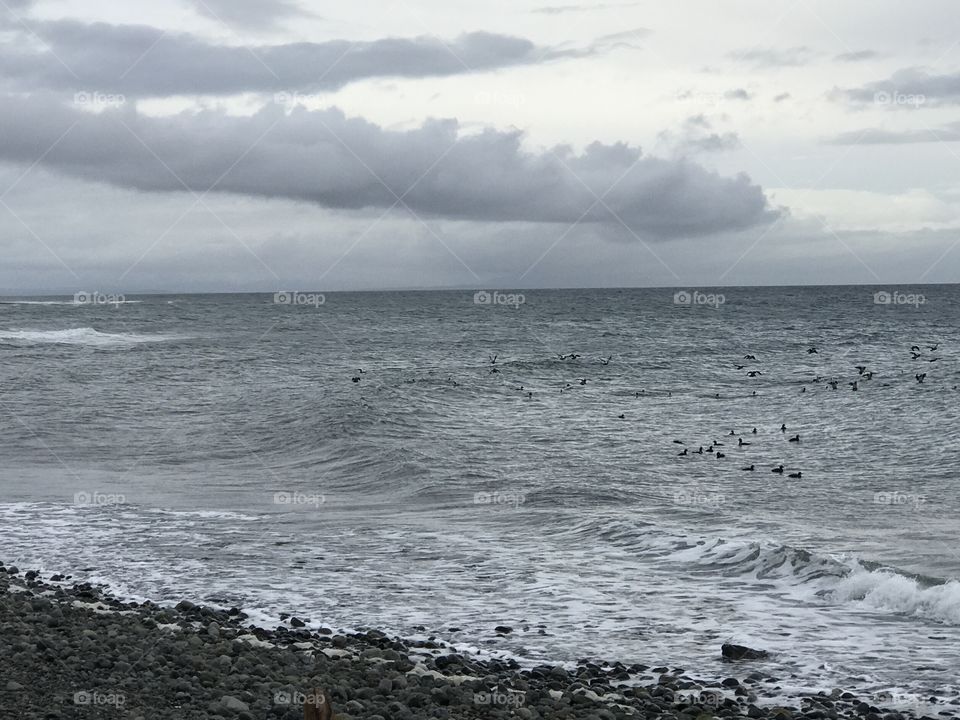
(714, 448)
(863, 374)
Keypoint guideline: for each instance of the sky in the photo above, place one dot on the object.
(260, 145)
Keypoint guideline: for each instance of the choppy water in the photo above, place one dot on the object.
(216, 448)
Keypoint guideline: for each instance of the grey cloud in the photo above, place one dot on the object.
(328, 159)
(857, 56)
(910, 82)
(774, 57)
(145, 61)
(248, 13)
(876, 136)
(696, 137)
(737, 94)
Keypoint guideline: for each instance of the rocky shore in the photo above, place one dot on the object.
(72, 651)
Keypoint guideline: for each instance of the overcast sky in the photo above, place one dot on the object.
(243, 145)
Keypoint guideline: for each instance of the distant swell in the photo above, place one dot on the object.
(78, 336)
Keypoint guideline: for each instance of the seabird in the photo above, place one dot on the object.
(920, 377)
(778, 470)
(749, 357)
(861, 368)
(795, 475)
(795, 438)
(754, 373)
(607, 361)
(748, 468)
(741, 443)
(754, 431)
(681, 454)
(493, 358)
(621, 416)
(583, 381)
(783, 427)
(811, 351)
(679, 442)
(720, 455)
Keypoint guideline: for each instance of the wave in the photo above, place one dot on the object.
(841, 579)
(79, 336)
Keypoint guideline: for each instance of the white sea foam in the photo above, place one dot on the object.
(79, 336)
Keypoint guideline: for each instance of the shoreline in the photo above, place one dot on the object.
(75, 651)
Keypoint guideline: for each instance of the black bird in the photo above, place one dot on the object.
(679, 442)
(493, 359)
(710, 449)
(795, 438)
(833, 384)
(803, 389)
(355, 378)
(778, 470)
(933, 359)
(700, 451)
(921, 377)
(854, 386)
(682, 453)
(529, 394)
(749, 357)
(754, 373)
(361, 371)
(861, 368)
(583, 381)
(741, 443)
(607, 361)
(783, 427)
(795, 475)
(915, 347)
(717, 443)
(915, 355)
(731, 433)
(811, 351)
(720, 455)
(933, 347)
(622, 416)
(739, 367)
(748, 468)
(868, 375)
(754, 431)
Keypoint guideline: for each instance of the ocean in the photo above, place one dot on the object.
(443, 463)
